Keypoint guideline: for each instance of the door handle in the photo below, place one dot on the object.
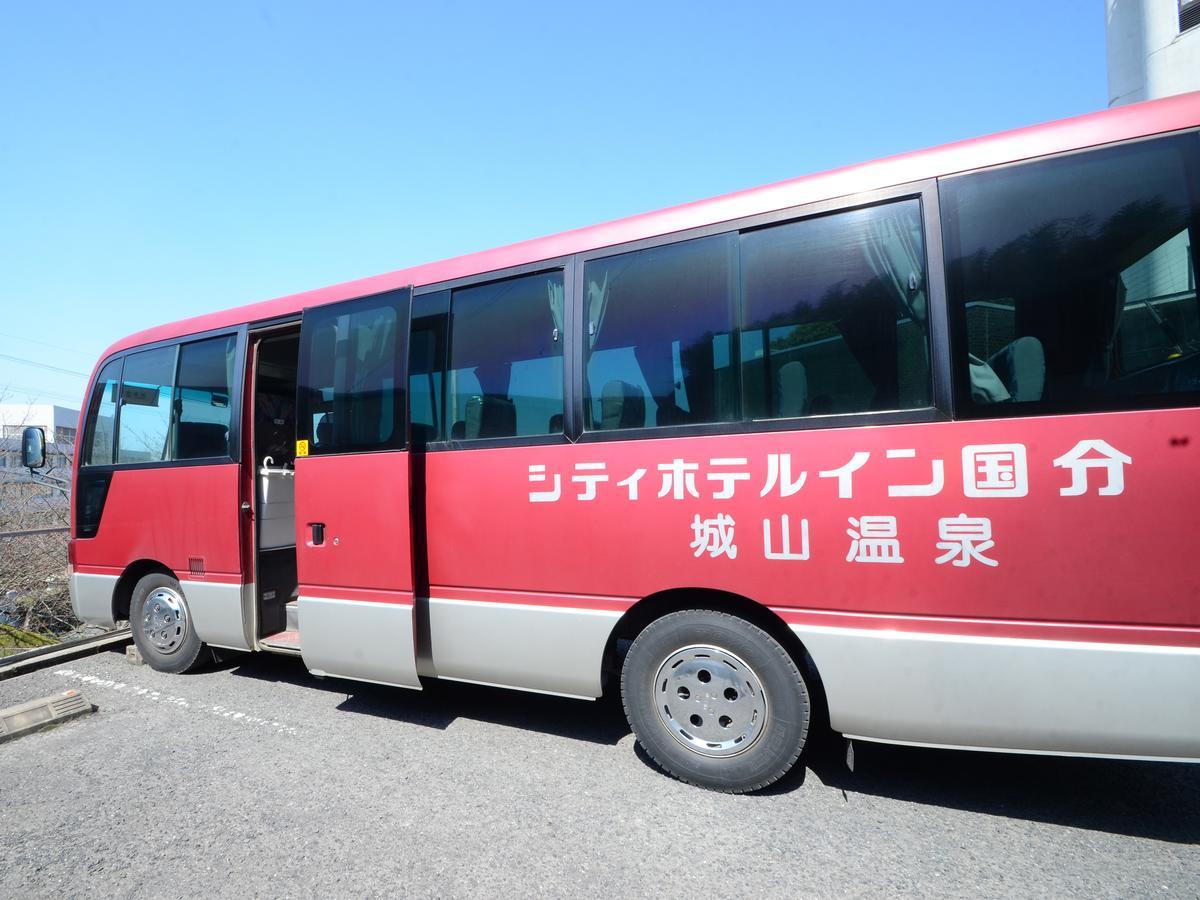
(318, 533)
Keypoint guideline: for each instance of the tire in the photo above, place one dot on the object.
(162, 626)
(715, 701)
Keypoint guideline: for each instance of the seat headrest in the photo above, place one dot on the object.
(791, 389)
(324, 429)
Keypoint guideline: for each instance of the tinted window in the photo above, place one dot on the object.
(352, 376)
(101, 418)
(505, 375)
(1074, 280)
(834, 312)
(657, 336)
(145, 416)
(202, 398)
(426, 366)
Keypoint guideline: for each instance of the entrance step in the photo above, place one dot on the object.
(282, 642)
(293, 616)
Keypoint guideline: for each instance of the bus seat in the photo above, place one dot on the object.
(791, 389)
(556, 424)
(458, 430)
(622, 405)
(197, 440)
(1021, 366)
(670, 413)
(986, 386)
(490, 416)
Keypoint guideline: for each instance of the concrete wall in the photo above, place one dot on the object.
(1147, 56)
(44, 415)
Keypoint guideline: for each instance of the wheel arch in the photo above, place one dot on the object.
(134, 572)
(655, 606)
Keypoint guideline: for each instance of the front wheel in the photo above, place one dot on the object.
(715, 701)
(162, 625)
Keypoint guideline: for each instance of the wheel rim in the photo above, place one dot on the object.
(165, 620)
(710, 701)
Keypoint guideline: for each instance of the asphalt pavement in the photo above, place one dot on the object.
(256, 779)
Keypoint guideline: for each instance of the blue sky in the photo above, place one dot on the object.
(159, 160)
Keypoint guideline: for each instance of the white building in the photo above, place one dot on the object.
(59, 423)
(1153, 49)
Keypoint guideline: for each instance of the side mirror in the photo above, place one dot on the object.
(33, 448)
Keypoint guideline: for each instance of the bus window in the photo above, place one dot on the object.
(100, 428)
(145, 415)
(834, 314)
(657, 326)
(202, 398)
(505, 375)
(352, 388)
(1074, 280)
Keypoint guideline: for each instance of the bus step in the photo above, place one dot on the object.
(282, 642)
(293, 616)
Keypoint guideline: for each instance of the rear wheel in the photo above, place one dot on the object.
(715, 701)
(162, 625)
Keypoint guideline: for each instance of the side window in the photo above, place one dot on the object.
(202, 398)
(834, 314)
(144, 421)
(100, 429)
(1073, 280)
(658, 326)
(352, 381)
(505, 375)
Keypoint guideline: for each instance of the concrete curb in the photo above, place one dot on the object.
(40, 658)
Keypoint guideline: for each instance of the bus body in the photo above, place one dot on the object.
(931, 425)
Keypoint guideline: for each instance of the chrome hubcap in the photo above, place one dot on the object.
(164, 620)
(710, 700)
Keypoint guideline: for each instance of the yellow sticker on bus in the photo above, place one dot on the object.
(302, 448)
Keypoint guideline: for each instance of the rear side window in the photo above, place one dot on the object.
(505, 372)
(834, 312)
(100, 427)
(144, 421)
(658, 328)
(1072, 281)
(202, 398)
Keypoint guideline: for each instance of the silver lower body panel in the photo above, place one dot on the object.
(360, 640)
(553, 650)
(92, 597)
(222, 614)
(1059, 697)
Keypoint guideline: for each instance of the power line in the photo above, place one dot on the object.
(29, 340)
(38, 393)
(42, 365)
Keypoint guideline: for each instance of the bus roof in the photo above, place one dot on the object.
(1121, 123)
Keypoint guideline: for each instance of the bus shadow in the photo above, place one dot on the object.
(440, 703)
(1160, 801)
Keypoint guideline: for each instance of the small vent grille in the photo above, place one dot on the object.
(65, 705)
(1189, 14)
(196, 565)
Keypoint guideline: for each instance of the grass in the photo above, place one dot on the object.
(14, 640)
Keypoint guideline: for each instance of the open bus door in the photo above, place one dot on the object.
(354, 557)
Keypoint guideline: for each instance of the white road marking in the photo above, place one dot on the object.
(134, 690)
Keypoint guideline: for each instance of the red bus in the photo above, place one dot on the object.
(905, 450)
